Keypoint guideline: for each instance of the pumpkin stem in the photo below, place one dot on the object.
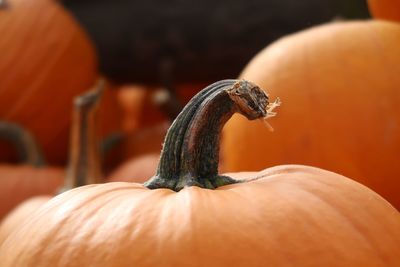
(190, 154)
(84, 155)
(28, 149)
(3, 4)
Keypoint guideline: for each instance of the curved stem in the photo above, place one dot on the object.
(84, 158)
(3, 4)
(28, 149)
(191, 147)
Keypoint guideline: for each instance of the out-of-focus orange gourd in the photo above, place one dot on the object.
(339, 84)
(46, 60)
(385, 9)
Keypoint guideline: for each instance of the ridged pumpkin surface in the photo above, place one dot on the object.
(292, 216)
(19, 214)
(340, 90)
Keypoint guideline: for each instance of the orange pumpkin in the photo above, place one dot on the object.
(84, 166)
(21, 181)
(138, 169)
(283, 216)
(46, 60)
(18, 183)
(339, 85)
(141, 105)
(385, 9)
(19, 214)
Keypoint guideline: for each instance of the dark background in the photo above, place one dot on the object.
(169, 42)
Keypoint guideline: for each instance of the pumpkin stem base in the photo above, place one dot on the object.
(186, 181)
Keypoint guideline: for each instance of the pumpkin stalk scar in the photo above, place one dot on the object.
(190, 153)
(84, 163)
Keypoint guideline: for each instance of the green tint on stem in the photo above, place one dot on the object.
(190, 154)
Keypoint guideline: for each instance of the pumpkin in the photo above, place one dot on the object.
(47, 59)
(385, 9)
(340, 88)
(20, 213)
(84, 166)
(188, 215)
(138, 169)
(142, 107)
(21, 182)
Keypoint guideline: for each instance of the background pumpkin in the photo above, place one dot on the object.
(144, 125)
(46, 60)
(138, 169)
(83, 167)
(283, 216)
(339, 85)
(18, 183)
(21, 181)
(385, 9)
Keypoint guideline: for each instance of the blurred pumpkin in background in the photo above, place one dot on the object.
(138, 169)
(339, 84)
(385, 9)
(46, 60)
(28, 178)
(146, 117)
(83, 167)
(20, 182)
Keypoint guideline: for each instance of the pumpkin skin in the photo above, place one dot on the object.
(46, 60)
(385, 9)
(18, 183)
(20, 213)
(335, 224)
(26, 189)
(138, 169)
(17, 210)
(339, 86)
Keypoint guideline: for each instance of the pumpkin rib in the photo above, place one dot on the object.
(352, 126)
(47, 68)
(111, 205)
(59, 63)
(356, 227)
